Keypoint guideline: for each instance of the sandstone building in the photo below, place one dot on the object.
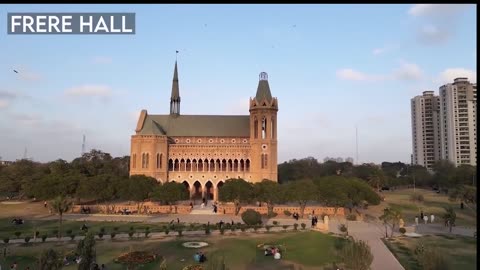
(202, 151)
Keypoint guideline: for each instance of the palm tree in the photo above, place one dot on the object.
(49, 260)
(60, 205)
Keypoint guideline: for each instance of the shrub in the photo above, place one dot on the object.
(431, 259)
(303, 226)
(272, 215)
(17, 234)
(44, 238)
(27, 239)
(191, 227)
(222, 230)
(6, 240)
(285, 227)
(268, 227)
(68, 232)
(180, 231)
(207, 230)
(402, 230)
(351, 217)
(343, 228)
(356, 255)
(147, 231)
(295, 226)
(130, 234)
(417, 198)
(233, 228)
(287, 213)
(251, 217)
(72, 236)
(243, 228)
(275, 223)
(100, 235)
(112, 235)
(167, 230)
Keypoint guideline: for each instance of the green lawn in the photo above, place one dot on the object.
(461, 252)
(312, 250)
(434, 204)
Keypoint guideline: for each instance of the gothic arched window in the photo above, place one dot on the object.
(264, 128)
(255, 128)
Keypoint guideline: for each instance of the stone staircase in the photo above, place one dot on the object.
(207, 210)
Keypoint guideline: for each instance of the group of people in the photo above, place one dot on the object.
(273, 251)
(314, 221)
(215, 207)
(18, 221)
(85, 210)
(295, 215)
(424, 217)
(200, 257)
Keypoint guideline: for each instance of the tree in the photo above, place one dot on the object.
(50, 260)
(356, 255)
(464, 193)
(237, 191)
(60, 205)
(449, 217)
(330, 191)
(269, 192)
(86, 250)
(465, 174)
(444, 173)
(102, 187)
(376, 178)
(391, 216)
(171, 193)
(302, 192)
(138, 188)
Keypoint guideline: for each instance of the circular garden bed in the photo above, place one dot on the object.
(194, 244)
(136, 257)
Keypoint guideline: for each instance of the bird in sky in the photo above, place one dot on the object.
(15, 71)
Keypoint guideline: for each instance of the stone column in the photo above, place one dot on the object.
(215, 194)
(192, 191)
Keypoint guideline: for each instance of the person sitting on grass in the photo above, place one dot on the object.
(203, 258)
(196, 257)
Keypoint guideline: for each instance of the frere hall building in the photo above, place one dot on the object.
(202, 151)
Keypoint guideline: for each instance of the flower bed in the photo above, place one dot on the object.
(136, 257)
(194, 244)
(193, 267)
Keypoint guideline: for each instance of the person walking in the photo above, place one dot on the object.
(432, 218)
(416, 220)
(425, 218)
(421, 214)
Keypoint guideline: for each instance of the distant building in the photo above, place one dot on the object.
(458, 106)
(349, 159)
(6, 163)
(426, 129)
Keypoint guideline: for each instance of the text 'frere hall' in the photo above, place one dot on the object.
(202, 151)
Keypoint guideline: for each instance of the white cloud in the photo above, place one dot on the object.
(349, 74)
(435, 9)
(6, 98)
(102, 60)
(4, 103)
(450, 74)
(436, 23)
(408, 71)
(89, 91)
(379, 51)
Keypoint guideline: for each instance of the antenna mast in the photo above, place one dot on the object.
(356, 145)
(83, 145)
(25, 153)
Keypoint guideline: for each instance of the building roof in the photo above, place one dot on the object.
(263, 89)
(175, 89)
(196, 125)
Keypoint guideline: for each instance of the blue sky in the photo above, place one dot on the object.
(332, 67)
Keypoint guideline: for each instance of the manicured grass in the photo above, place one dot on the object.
(310, 249)
(434, 204)
(460, 252)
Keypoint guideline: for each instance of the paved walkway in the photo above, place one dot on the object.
(441, 229)
(371, 233)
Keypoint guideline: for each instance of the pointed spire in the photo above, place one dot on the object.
(175, 97)
(175, 90)
(263, 89)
